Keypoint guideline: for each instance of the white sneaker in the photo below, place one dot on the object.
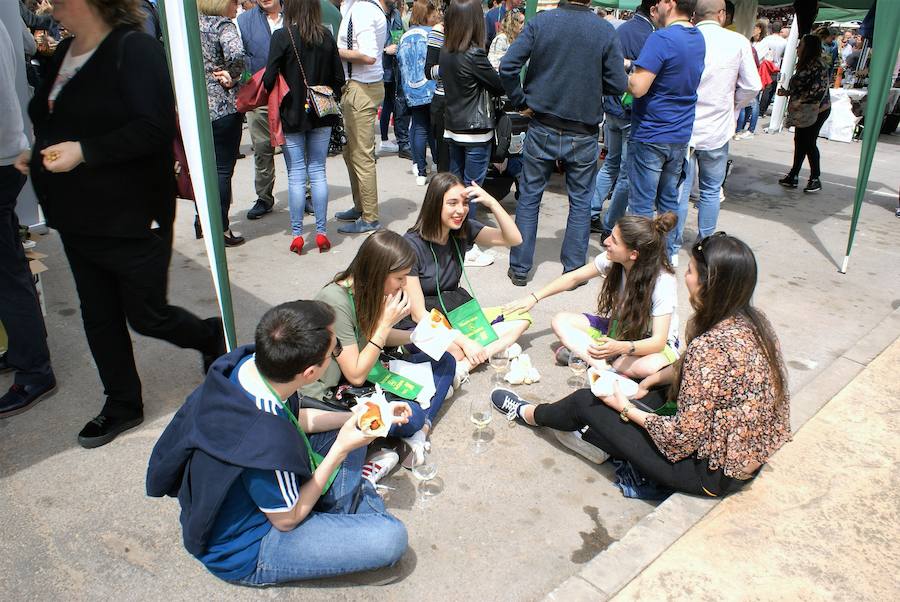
(414, 170)
(379, 465)
(574, 441)
(721, 195)
(421, 180)
(514, 350)
(747, 135)
(475, 258)
(388, 147)
(674, 260)
(461, 377)
(418, 445)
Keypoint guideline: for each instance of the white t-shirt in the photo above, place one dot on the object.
(276, 24)
(771, 48)
(369, 36)
(665, 296)
(71, 65)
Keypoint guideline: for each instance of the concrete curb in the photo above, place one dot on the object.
(611, 570)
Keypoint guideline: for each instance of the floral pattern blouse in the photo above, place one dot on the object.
(727, 410)
(222, 50)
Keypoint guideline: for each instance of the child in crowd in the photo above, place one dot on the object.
(635, 329)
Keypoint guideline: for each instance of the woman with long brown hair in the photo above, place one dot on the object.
(305, 53)
(635, 327)
(730, 389)
(369, 299)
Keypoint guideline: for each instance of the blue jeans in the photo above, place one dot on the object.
(616, 137)
(394, 104)
(543, 147)
(421, 136)
(750, 114)
(654, 173)
(469, 162)
(443, 372)
(711, 165)
(305, 154)
(226, 133)
(348, 531)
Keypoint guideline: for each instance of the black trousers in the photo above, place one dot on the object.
(805, 146)
(123, 281)
(20, 310)
(628, 441)
(768, 93)
(226, 133)
(438, 104)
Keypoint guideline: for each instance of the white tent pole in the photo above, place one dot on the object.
(787, 70)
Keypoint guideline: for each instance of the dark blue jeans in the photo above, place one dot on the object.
(394, 104)
(543, 147)
(226, 133)
(421, 136)
(469, 163)
(655, 170)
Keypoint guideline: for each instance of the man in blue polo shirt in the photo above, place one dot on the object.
(664, 85)
(612, 175)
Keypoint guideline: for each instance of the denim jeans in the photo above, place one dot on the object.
(305, 154)
(654, 173)
(394, 104)
(470, 164)
(543, 147)
(711, 165)
(421, 136)
(618, 203)
(226, 133)
(347, 531)
(616, 137)
(750, 114)
(443, 372)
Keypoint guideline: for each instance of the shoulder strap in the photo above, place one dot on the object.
(297, 55)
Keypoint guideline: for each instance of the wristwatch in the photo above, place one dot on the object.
(624, 413)
(632, 347)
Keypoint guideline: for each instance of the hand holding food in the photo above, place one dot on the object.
(62, 157)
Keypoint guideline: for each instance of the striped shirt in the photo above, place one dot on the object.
(435, 43)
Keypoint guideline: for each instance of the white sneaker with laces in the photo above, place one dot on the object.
(388, 147)
(379, 465)
(476, 258)
(574, 441)
(421, 180)
(461, 377)
(514, 350)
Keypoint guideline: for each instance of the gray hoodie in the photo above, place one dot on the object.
(12, 132)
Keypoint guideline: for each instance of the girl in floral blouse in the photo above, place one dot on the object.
(732, 398)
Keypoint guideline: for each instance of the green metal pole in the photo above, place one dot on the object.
(209, 177)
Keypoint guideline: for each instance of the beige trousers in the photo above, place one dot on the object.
(360, 107)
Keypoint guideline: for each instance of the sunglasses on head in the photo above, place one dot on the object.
(705, 240)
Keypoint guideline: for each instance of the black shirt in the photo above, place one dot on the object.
(450, 267)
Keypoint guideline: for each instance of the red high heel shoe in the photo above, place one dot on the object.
(297, 245)
(323, 243)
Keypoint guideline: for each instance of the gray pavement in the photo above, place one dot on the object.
(511, 524)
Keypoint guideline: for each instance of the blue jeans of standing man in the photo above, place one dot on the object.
(749, 114)
(655, 170)
(710, 165)
(421, 136)
(347, 531)
(618, 203)
(543, 147)
(616, 138)
(305, 154)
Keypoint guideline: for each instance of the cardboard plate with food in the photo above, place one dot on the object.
(602, 383)
(374, 414)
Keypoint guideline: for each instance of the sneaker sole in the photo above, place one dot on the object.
(346, 219)
(788, 185)
(92, 442)
(814, 191)
(33, 403)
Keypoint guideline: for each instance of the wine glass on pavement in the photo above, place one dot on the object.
(499, 362)
(578, 367)
(481, 413)
(425, 470)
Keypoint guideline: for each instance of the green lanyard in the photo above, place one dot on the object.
(437, 273)
(315, 459)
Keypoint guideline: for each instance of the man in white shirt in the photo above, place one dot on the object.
(771, 48)
(360, 42)
(730, 82)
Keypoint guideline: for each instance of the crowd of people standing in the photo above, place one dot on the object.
(287, 492)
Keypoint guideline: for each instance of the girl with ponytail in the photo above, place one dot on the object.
(635, 327)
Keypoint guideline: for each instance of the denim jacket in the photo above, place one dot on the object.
(411, 58)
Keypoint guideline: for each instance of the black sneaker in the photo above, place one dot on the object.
(788, 181)
(20, 398)
(103, 429)
(596, 225)
(814, 185)
(507, 402)
(4, 365)
(218, 347)
(516, 279)
(405, 153)
(260, 208)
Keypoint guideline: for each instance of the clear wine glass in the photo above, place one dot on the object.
(499, 362)
(578, 367)
(481, 414)
(426, 471)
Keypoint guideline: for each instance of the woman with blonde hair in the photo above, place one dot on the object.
(510, 28)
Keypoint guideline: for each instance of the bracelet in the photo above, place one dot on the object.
(376, 344)
(632, 347)
(536, 300)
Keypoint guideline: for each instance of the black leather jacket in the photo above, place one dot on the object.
(466, 76)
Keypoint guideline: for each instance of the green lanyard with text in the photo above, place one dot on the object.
(315, 459)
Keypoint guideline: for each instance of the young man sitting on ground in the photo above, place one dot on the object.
(262, 502)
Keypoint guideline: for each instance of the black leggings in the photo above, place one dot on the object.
(805, 146)
(628, 441)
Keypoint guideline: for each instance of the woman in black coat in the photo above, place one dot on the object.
(102, 168)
